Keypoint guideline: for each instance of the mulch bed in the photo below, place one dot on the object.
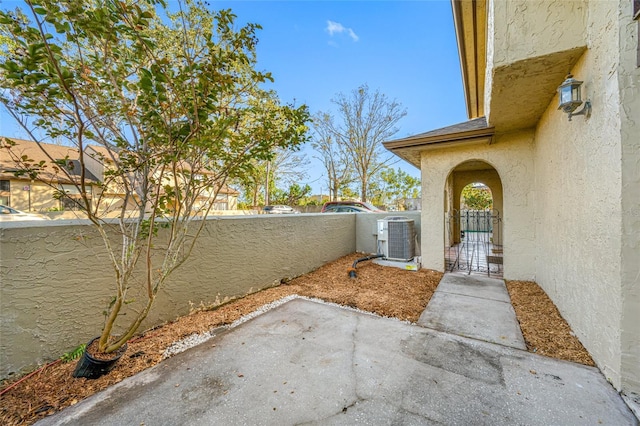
(386, 291)
(545, 331)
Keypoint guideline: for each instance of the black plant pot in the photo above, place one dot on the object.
(92, 368)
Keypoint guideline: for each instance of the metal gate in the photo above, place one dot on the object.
(474, 242)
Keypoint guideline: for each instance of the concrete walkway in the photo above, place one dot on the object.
(476, 307)
(306, 362)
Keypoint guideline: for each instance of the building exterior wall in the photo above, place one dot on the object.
(511, 156)
(367, 229)
(587, 171)
(32, 196)
(460, 179)
(232, 202)
(449, 205)
(56, 280)
(522, 29)
(628, 76)
(490, 178)
(531, 45)
(571, 188)
(40, 195)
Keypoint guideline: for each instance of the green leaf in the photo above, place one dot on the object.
(74, 354)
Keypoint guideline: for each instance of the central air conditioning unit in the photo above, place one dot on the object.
(396, 238)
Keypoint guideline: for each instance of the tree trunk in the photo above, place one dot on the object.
(255, 195)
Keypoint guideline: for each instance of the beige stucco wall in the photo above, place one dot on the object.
(488, 177)
(571, 189)
(628, 76)
(459, 180)
(511, 156)
(55, 282)
(578, 222)
(524, 29)
(587, 181)
(367, 229)
(41, 196)
(530, 47)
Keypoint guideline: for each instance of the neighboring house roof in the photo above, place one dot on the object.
(99, 153)
(59, 152)
(35, 152)
(226, 189)
(103, 155)
(468, 132)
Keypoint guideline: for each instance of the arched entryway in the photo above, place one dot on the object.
(473, 219)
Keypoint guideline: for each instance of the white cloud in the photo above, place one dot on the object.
(334, 27)
(338, 28)
(353, 35)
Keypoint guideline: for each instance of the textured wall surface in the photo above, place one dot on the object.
(628, 75)
(460, 179)
(55, 281)
(588, 180)
(511, 156)
(571, 188)
(531, 45)
(524, 29)
(39, 197)
(488, 177)
(367, 229)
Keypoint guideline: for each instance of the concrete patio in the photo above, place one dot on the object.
(306, 362)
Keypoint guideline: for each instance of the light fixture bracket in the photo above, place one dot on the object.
(586, 110)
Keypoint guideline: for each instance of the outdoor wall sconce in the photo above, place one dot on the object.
(569, 94)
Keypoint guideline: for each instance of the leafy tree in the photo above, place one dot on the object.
(366, 120)
(376, 193)
(252, 184)
(6, 42)
(172, 104)
(347, 193)
(284, 168)
(397, 184)
(312, 201)
(292, 196)
(334, 157)
(477, 197)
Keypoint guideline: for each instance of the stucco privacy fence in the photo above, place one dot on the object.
(55, 280)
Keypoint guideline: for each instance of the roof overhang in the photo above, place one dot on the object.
(472, 132)
(516, 87)
(470, 21)
(521, 91)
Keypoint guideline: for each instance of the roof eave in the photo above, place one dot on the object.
(409, 149)
(485, 133)
(470, 22)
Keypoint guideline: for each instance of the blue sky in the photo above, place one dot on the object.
(316, 49)
(406, 49)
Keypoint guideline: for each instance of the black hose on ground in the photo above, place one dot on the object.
(352, 270)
